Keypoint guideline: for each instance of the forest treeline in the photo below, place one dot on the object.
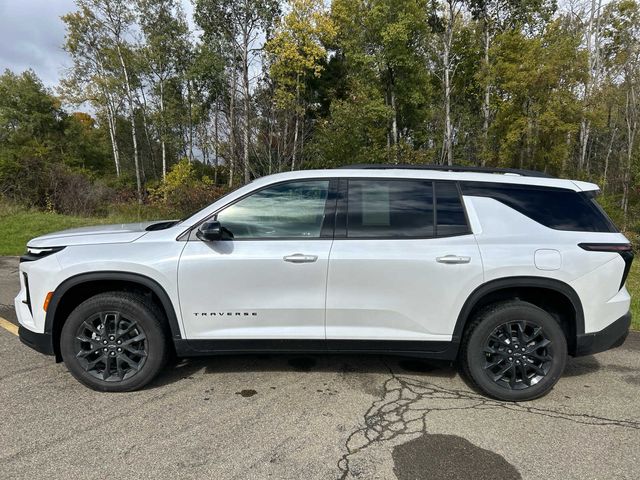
(251, 87)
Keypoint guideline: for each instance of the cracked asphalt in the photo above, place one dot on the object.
(313, 417)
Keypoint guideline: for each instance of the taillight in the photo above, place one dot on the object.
(606, 247)
(624, 249)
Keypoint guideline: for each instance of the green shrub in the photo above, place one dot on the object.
(184, 191)
(53, 187)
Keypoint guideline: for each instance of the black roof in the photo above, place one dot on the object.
(449, 168)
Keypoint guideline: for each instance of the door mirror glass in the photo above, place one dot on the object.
(212, 231)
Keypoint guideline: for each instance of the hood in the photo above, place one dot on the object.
(118, 233)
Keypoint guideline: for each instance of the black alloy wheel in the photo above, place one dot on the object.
(115, 341)
(513, 351)
(111, 347)
(518, 355)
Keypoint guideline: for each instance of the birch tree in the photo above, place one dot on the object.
(443, 19)
(298, 52)
(622, 46)
(592, 46)
(240, 25)
(495, 17)
(117, 18)
(165, 35)
(92, 77)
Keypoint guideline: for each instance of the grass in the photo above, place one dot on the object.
(633, 285)
(17, 226)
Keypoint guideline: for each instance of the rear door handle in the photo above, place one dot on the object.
(453, 259)
(300, 258)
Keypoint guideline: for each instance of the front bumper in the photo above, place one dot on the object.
(41, 342)
(609, 337)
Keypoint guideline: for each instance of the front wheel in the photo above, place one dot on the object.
(514, 351)
(114, 342)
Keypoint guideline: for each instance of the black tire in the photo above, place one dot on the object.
(131, 352)
(491, 361)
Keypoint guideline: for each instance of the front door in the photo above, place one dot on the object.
(403, 262)
(269, 282)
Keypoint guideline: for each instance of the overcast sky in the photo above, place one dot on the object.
(32, 34)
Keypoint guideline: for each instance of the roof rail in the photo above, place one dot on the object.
(448, 168)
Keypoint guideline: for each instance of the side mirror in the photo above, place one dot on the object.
(212, 231)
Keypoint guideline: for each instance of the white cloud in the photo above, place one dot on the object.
(32, 35)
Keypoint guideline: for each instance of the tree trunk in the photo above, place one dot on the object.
(190, 117)
(285, 136)
(270, 140)
(112, 117)
(163, 132)
(295, 143)
(606, 160)
(593, 63)
(446, 60)
(585, 129)
(215, 142)
(132, 119)
(247, 104)
(297, 121)
(487, 94)
(232, 125)
(394, 123)
(563, 166)
(448, 131)
(111, 121)
(392, 134)
(145, 124)
(631, 121)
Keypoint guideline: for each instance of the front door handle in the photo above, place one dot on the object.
(453, 259)
(300, 258)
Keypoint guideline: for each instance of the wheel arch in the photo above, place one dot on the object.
(78, 288)
(555, 296)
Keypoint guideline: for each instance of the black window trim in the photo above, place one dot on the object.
(326, 230)
(469, 230)
(342, 210)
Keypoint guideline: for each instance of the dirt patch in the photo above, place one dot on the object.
(246, 393)
(447, 457)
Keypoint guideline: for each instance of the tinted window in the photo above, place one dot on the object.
(390, 208)
(553, 207)
(450, 216)
(294, 209)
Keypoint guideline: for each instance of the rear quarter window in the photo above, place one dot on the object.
(555, 208)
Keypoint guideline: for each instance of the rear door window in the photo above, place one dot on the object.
(389, 208)
(404, 208)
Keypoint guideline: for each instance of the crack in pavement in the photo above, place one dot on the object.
(406, 402)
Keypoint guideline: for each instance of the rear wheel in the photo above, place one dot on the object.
(114, 342)
(514, 351)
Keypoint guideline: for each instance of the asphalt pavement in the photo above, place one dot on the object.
(312, 417)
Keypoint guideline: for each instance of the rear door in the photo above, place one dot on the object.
(402, 264)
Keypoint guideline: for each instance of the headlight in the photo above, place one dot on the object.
(34, 253)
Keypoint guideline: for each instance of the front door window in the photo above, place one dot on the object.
(288, 210)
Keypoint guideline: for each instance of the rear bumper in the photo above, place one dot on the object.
(41, 342)
(612, 336)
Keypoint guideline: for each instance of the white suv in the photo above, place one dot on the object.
(506, 271)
